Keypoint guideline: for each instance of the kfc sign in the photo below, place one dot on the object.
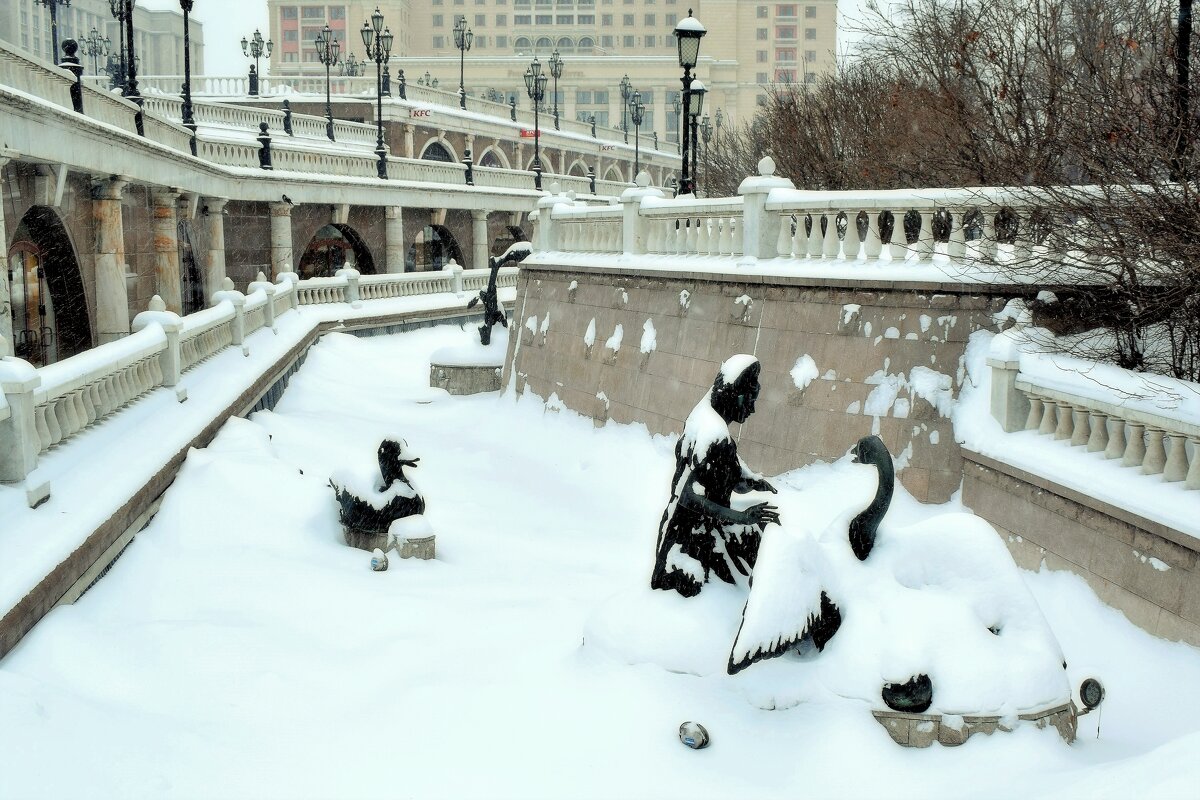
(528, 134)
(420, 112)
(605, 148)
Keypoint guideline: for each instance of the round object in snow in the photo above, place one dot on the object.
(1091, 693)
(379, 560)
(914, 695)
(694, 735)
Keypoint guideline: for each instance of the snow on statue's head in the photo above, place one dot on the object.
(736, 388)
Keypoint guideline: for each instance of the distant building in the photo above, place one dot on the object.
(158, 35)
(749, 46)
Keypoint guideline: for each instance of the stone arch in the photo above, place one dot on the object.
(565, 43)
(586, 42)
(333, 247)
(49, 307)
(438, 150)
(522, 44)
(191, 280)
(509, 235)
(578, 167)
(493, 157)
(544, 43)
(614, 173)
(432, 248)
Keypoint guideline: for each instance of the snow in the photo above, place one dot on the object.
(804, 371)
(649, 338)
(614, 341)
(474, 354)
(238, 649)
(589, 336)
(734, 366)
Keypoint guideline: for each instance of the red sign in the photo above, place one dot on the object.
(420, 112)
(528, 134)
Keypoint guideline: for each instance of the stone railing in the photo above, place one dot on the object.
(42, 407)
(1143, 420)
(247, 119)
(702, 227)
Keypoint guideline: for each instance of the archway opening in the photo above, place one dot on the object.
(432, 249)
(190, 280)
(490, 159)
(49, 308)
(578, 169)
(436, 151)
(333, 247)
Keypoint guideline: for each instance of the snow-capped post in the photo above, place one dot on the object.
(169, 360)
(264, 153)
(351, 276)
(1010, 406)
(287, 118)
(268, 288)
(455, 271)
(19, 445)
(293, 279)
(591, 176)
(237, 327)
(760, 229)
(546, 233)
(635, 228)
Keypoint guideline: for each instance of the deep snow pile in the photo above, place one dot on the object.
(238, 649)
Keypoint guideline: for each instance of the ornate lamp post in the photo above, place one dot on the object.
(677, 105)
(697, 92)
(189, 121)
(626, 90)
(688, 33)
(637, 111)
(556, 68)
(93, 47)
(256, 48)
(706, 133)
(53, 6)
(352, 68)
(535, 86)
(328, 50)
(117, 8)
(462, 40)
(378, 41)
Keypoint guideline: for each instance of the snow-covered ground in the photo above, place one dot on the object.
(238, 649)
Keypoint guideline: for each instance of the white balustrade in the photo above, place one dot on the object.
(205, 333)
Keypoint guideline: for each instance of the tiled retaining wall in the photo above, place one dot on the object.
(1147, 571)
(857, 332)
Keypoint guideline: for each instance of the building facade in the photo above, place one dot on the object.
(749, 46)
(158, 35)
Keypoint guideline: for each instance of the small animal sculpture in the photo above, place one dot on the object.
(871, 450)
(374, 510)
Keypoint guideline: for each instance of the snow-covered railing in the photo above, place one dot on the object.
(1144, 420)
(697, 227)
(39, 408)
(78, 391)
(588, 229)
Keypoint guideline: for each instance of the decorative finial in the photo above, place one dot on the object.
(261, 277)
(157, 304)
(766, 167)
(643, 179)
(227, 284)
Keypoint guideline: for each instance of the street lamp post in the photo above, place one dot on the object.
(117, 8)
(697, 92)
(677, 105)
(94, 47)
(637, 111)
(256, 48)
(706, 132)
(378, 41)
(328, 50)
(189, 120)
(352, 68)
(53, 6)
(462, 40)
(688, 33)
(535, 86)
(626, 89)
(556, 69)
(130, 90)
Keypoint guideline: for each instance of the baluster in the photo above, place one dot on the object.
(1176, 468)
(816, 239)
(1063, 431)
(1081, 432)
(735, 229)
(987, 244)
(52, 422)
(725, 245)
(1049, 416)
(1099, 438)
(93, 401)
(783, 245)
(922, 248)
(1135, 448)
(702, 236)
(1156, 457)
(1193, 475)
(800, 238)
(898, 245)
(873, 244)
(956, 247)
(80, 409)
(832, 246)
(1035, 411)
(680, 237)
(693, 232)
(40, 414)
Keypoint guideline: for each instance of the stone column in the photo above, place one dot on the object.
(112, 296)
(165, 234)
(6, 331)
(520, 162)
(393, 239)
(281, 238)
(470, 139)
(479, 239)
(409, 130)
(214, 264)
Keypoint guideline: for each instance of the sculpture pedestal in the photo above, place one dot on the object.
(413, 538)
(922, 730)
(366, 540)
(469, 369)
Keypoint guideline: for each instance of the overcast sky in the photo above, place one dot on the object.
(227, 21)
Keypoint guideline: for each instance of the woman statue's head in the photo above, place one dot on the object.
(736, 388)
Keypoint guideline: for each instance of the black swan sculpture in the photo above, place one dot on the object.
(373, 511)
(871, 450)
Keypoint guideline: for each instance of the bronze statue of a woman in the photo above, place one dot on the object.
(700, 534)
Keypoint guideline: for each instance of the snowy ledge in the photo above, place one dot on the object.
(133, 454)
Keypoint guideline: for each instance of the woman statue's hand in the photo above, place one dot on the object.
(760, 514)
(754, 485)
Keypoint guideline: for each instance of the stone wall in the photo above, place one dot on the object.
(865, 339)
(1146, 570)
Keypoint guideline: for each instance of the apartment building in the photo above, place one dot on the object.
(158, 35)
(750, 45)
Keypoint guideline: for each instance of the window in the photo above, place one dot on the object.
(501, 41)
(458, 2)
(291, 36)
(760, 57)
(760, 101)
(287, 12)
(522, 43)
(761, 78)
(649, 42)
(544, 19)
(522, 19)
(785, 31)
(564, 19)
(438, 21)
(312, 12)
(501, 20)
(785, 54)
(586, 43)
(337, 12)
(480, 2)
(606, 20)
(628, 20)
(628, 41)
(761, 34)
(479, 42)
(648, 98)
(810, 77)
(761, 12)
(606, 41)
(785, 11)
(587, 19)
(291, 58)
(810, 12)
(810, 34)
(583, 97)
(671, 20)
(650, 23)
(480, 20)
(810, 55)
(586, 116)
(439, 42)
(437, 2)
(785, 76)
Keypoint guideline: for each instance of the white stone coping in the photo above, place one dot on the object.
(91, 365)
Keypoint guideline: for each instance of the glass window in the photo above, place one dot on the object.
(291, 36)
(648, 98)
(810, 77)
(544, 19)
(458, 2)
(606, 41)
(650, 22)
(606, 20)
(600, 97)
(760, 57)
(671, 19)
(479, 42)
(761, 34)
(761, 78)
(810, 33)
(583, 97)
(761, 12)
(785, 54)
(649, 42)
(785, 76)
(785, 31)
(288, 12)
(438, 21)
(587, 19)
(501, 20)
(337, 12)
(785, 11)
(564, 19)
(810, 12)
(522, 19)
(628, 41)
(439, 42)
(761, 100)
(628, 20)
(810, 55)
(501, 41)
(480, 20)
(310, 12)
